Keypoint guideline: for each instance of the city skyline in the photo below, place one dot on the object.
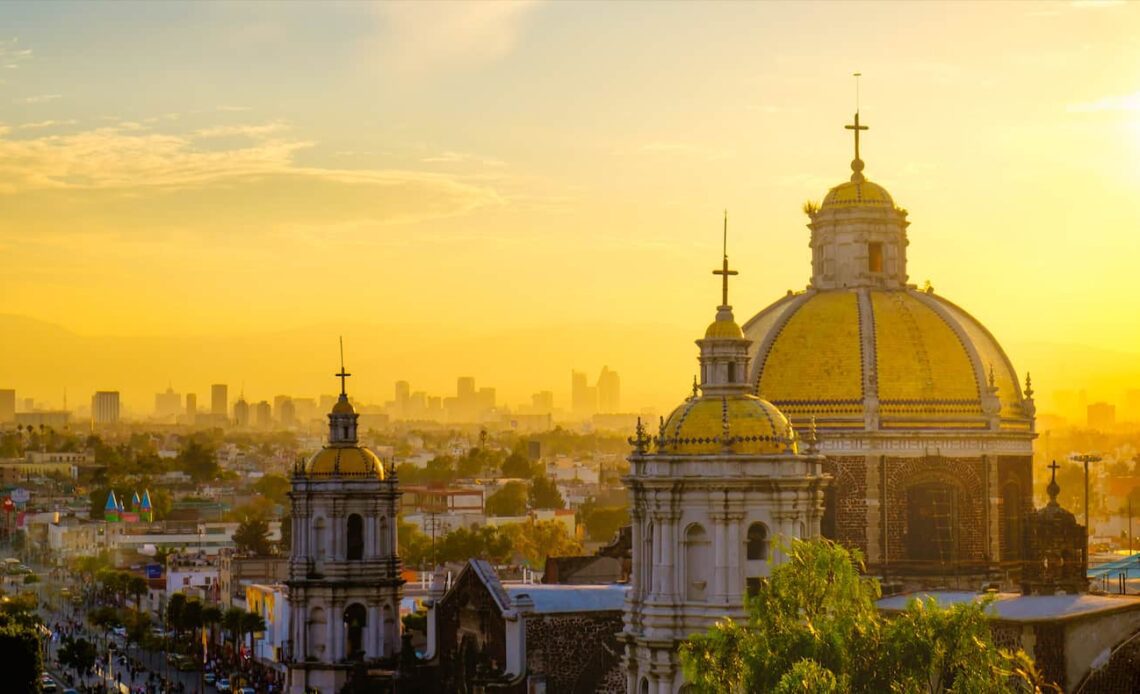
(461, 234)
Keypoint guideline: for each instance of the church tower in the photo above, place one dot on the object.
(722, 479)
(344, 570)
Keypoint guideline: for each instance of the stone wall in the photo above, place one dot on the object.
(964, 474)
(850, 485)
(574, 652)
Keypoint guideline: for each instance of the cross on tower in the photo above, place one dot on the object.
(856, 127)
(343, 374)
(724, 272)
(1054, 467)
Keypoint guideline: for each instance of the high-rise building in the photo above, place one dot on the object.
(583, 397)
(7, 406)
(168, 404)
(241, 412)
(288, 414)
(105, 407)
(465, 388)
(219, 399)
(485, 399)
(1101, 416)
(542, 402)
(191, 406)
(609, 391)
(403, 395)
(279, 406)
(263, 414)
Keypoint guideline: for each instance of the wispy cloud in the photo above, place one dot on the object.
(127, 158)
(1121, 102)
(45, 124)
(11, 54)
(424, 36)
(449, 157)
(683, 149)
(39, 98)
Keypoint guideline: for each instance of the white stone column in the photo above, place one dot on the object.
(719, 592)
(668, 565)
(734, 591)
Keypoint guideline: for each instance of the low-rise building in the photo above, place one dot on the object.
(193, 575)
(271, 601)
(236, 572)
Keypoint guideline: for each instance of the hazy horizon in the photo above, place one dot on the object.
(214, 192)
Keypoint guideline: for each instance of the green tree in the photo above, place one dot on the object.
(534, 542)
(273, 487)
(508, 501)
(813, 626)
(198, 461)
(20, 659)
(414, 544)
(77, 654)
(232, 622)
(516, 465)
(174, 609)
(603, 522)
(211, 618)
(252, 623)
(252, 536)
(137, 586)
(440, 470)
(544, 493)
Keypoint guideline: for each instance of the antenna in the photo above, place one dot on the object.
(857, 75)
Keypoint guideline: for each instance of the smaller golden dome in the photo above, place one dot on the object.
(755, 426)
(860, 193)
(724, 329)
(343, 406)
(349, 461)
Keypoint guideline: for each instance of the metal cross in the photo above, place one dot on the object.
(343, 374)
(724, 272)
(856, 127)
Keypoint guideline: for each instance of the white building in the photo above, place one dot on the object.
(344, 572)
(271, 601)
(720, 481)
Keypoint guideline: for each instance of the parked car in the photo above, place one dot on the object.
(223, 685)
(119, 631)
(47, 684)
(248, 690)
(210, 678)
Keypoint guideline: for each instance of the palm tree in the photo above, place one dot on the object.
(137, 585)
(174, 610)
(232, 622)
(251, 623)
(211, 616)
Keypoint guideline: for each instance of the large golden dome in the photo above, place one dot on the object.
(346, 461)
(903, 357)
(860, 193)
(701, 426)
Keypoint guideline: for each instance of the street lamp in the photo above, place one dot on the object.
(1086, 458)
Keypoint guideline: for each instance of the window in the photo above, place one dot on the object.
(875, 257)
(355, 537)
(932, 520)
(355, 619)
(697, 560)
(732, 372)
(757, 542)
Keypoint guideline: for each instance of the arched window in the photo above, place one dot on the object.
(355, 539)
(757, 549)
(355, 619)
(644, 686)
(698, 558)
(317, 633)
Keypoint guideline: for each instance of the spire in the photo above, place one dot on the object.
(857, 163)
(343, 374)
(1053, 489)
(724, 311)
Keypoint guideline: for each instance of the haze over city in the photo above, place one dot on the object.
(209, 193)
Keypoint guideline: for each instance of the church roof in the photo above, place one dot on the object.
(922, 359)
(861, 193)
(747, 424)
(345, 461)
(554, 599)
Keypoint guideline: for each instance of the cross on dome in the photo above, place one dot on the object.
(343, 374)
(724, 272)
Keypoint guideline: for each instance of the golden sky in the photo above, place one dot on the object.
(510, 191)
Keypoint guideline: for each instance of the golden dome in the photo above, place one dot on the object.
(755, 426)
(343, 406)
(861, 193)
(923, 360)
(724, 329)
(345, 461)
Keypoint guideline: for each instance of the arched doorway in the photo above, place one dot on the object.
(355, 619)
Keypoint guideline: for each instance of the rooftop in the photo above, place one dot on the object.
(1016, 607)
(551, 599)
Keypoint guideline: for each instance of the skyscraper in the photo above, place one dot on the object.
(105, 407)
(263, 414)
(219, 399)
(583, 398)
(241, 412)
(167, 404)
(7, 405)
(609, 391)
(191, 406)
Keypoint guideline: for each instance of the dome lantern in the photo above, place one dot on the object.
(858, 235)
(724, 349)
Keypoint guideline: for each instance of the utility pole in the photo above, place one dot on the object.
(1086, 458)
